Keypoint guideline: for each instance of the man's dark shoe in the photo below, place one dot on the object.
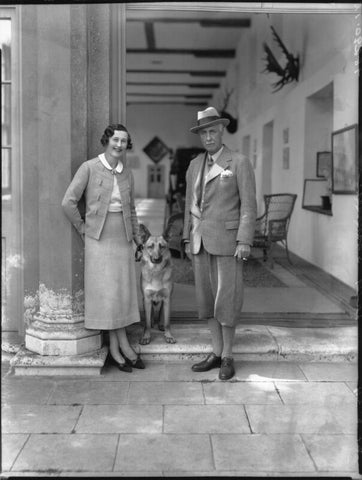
(227, 370)
(211, 361)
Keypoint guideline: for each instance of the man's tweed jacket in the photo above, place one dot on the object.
(228, 211)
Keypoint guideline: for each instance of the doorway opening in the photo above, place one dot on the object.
(267, 158)
(178, 61)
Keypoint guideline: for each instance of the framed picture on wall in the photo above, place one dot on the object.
(324, 164)
(344, 160)
(156, 149)
(286, 158)
(286, 135)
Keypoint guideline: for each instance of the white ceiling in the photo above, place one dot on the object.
(179, 57)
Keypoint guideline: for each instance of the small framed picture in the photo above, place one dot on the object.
(156, 149)
(344, 160)
(324, 164)
(286, 158)
(286, 135)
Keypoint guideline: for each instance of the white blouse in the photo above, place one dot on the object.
(115, 204)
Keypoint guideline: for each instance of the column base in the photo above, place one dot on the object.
(29, 363)
(62, 347)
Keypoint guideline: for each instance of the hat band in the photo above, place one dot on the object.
(204, 120)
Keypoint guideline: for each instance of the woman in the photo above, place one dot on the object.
(108, 230)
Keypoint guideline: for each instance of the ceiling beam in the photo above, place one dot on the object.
(205, 22)
(166, 102)
(193, 73)
(227, 23)
(184, 95)
(209, 53)
(172, 84)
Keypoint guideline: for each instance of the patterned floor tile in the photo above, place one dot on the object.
(160, 393)
(56, 453)
(26, 391)
(261, 453)
(11, 445)
(330, 372)
(39, 418)
(302, 419)
(83, 392)
(241, 392)
(205, 419)
(322, 393)
(120, 419)
(164, 452)
(333, 452)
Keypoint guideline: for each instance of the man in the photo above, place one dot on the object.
(219, 223)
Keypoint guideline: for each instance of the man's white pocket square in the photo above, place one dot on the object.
(226, 173)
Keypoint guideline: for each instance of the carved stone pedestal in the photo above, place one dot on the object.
(30, 363)
(56, 341)
(68, 338)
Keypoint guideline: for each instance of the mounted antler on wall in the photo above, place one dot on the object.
(233, 125)
(291, 70)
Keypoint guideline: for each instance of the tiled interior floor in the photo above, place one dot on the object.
(299, 297)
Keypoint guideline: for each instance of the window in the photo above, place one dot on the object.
(6, 106)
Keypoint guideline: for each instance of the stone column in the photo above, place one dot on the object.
(56, 341)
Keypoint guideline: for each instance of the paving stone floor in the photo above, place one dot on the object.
(272, 419)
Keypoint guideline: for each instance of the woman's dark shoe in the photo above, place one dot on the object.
(138, 363)
(124, 367)
(211, 361)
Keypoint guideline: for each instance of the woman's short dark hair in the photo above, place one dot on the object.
(109, 132)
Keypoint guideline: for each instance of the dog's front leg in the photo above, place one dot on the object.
(146, 338)
(166, 319)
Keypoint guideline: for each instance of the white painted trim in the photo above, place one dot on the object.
(13, 208)
(249, 7)
(118, 68)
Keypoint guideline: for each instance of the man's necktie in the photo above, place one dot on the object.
(209, 164)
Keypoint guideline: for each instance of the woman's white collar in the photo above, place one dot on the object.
(103, 159)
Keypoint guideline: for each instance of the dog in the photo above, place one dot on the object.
(156, 283)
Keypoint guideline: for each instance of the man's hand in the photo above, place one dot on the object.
(187, 250)
(242, 251)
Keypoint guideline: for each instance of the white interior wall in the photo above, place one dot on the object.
(325, 45)
(319, 111)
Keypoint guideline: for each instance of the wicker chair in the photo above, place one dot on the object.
(174, 227)
(273, 225)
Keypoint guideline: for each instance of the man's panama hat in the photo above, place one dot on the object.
(207, 118)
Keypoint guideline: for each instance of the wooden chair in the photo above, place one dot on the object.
(273, 225)
(174, 227)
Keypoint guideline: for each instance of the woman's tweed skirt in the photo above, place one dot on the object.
(110, 288)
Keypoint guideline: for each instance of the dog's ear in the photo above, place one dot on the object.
(144, 233)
